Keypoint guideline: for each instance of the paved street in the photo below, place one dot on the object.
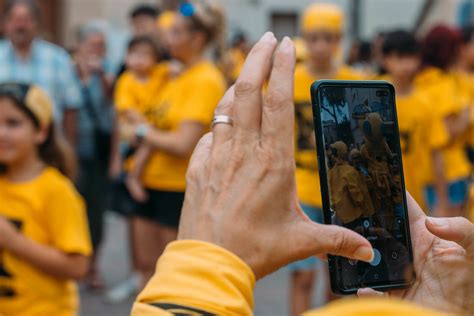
(270, 294)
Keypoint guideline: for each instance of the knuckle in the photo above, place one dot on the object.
(340, 243)
(244, 87)
(277, 100)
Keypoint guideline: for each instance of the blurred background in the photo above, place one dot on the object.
(365, 21)
(365, 18)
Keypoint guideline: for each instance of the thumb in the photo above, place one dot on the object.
(316, 239)
(368, 292)
(457, 229)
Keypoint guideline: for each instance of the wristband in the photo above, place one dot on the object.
(141, 131)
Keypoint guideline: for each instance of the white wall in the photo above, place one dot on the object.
(254, 16)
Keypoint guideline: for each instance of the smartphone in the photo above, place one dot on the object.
(362, 185)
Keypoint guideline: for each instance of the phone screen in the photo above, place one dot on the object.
(362, 181)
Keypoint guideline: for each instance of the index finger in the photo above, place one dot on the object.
(248, 88)
(457, 229)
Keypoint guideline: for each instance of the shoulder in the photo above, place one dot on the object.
(53, 50)
(207, 74)
(125, 77)
(56, 185)
(349, 73)
(303, 81)
(301, 72)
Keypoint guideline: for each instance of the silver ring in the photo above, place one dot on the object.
(222, 119)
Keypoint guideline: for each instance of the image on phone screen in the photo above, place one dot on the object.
(362, 182)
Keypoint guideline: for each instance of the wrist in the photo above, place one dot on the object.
(14, 243)
(142, 131)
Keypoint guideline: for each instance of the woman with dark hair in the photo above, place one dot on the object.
(447, 190)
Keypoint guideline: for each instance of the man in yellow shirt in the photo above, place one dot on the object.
(322, 30)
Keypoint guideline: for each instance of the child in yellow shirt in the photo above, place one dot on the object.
(322, 28)
(401, 57)
(44, 239)
(135, 93)
(447, 191)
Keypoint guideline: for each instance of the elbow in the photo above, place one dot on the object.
(80, 268)
(184, 151)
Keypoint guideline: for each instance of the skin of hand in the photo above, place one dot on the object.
(8, 233)
(241, 188)
(443, 250)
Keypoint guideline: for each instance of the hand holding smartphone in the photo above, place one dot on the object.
(362, 185)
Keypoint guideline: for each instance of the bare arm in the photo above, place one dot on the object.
(133, 182)
(140, 158)
(115, 164)
(456, 125)
(70, 126)
(440, 182)
(48, 259)
(180, 143)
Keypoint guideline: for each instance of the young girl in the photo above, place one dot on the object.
(44, 239)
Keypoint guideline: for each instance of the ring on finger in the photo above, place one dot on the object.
(222, 119)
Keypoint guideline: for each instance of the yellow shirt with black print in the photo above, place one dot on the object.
(190, 97)
(307, 175)
(49, 211)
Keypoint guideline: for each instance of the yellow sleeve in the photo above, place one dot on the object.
(206, 94)
(197, 277)
(123, 97)
(67, 220)
(372, 306)
(438, 133)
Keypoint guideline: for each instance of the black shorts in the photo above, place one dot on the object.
(163, 207)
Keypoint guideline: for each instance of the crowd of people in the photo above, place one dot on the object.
(78, 137)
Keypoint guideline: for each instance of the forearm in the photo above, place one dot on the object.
(458, 125)
(440, 182)
(48, 259)
(172, 143)
(107, 85)
(70, 126)
(140, 158)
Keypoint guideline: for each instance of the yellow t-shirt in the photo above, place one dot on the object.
(49, 211)
(419, 133)
(131, 93)
(236, 59)
(191, 96)
(465, 88)
(445, 100)
(307, 176)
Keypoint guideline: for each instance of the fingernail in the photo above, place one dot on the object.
(439, 222)
(267, 37)
(364, 253)
(285, 43)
